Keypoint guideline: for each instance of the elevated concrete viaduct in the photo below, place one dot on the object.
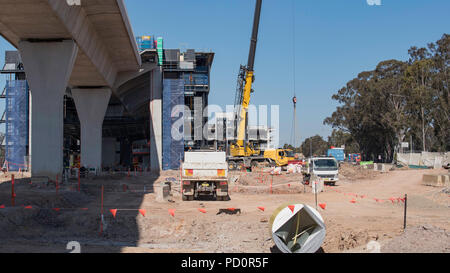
(88, 48)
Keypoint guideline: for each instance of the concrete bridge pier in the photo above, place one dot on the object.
(48, 66)
(91, 107)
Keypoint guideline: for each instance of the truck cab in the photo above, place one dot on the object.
(280, 157)
(326, 168)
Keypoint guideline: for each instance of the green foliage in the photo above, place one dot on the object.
(290, 147)
(315, 145)
(398, 100)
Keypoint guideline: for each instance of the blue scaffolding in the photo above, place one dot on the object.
(16, 116)
(173, 131)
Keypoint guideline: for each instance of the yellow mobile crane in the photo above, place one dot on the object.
(242, 152)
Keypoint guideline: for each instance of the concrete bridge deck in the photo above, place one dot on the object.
(86, 47)
(100, 28)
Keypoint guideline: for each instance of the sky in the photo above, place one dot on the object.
(335, 40)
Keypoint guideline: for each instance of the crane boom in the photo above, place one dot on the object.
(240, 149)
(242, 152)
(254, 40)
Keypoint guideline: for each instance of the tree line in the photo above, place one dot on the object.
(317, 146)
(399, 101)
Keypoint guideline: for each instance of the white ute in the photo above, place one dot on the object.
(205, 174)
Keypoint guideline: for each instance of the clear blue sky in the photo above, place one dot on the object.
(335, 40)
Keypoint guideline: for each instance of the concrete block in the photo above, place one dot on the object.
(163, 192)
(384, 168)
(436, 180)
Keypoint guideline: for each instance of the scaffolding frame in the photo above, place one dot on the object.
(16, 119)
(173, 149)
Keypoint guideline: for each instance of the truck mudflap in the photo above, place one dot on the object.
(222, 189)
(188, 188)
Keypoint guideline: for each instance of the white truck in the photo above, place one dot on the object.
(326, 168)
(205, 174)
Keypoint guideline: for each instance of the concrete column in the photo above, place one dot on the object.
(109, 152)
(30, 108)
(91, 107)
(48, 66)
(156, 120)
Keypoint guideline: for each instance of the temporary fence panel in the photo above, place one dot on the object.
(16, 116)
(173, 129)
(435, 160)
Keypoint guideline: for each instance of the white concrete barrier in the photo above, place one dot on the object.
(436, 180)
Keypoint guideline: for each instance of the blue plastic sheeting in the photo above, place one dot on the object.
(196, 79)
(173, 129)
(16, 116)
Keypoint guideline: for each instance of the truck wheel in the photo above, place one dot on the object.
(232, 166)
(188, 197)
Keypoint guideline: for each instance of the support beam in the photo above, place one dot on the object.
(156, 121)
(48, 66)
(91, 107)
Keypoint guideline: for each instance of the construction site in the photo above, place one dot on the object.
(107, 149)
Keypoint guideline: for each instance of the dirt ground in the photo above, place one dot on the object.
(45, 219)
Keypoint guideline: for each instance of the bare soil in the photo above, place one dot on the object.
(350, 226)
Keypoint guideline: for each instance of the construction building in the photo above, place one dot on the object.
(137, 126)
(185, 80)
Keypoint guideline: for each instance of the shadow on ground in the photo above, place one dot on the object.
(44, 218)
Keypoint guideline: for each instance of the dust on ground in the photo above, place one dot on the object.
(350, 226)
(420, 239)
(355, 173)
